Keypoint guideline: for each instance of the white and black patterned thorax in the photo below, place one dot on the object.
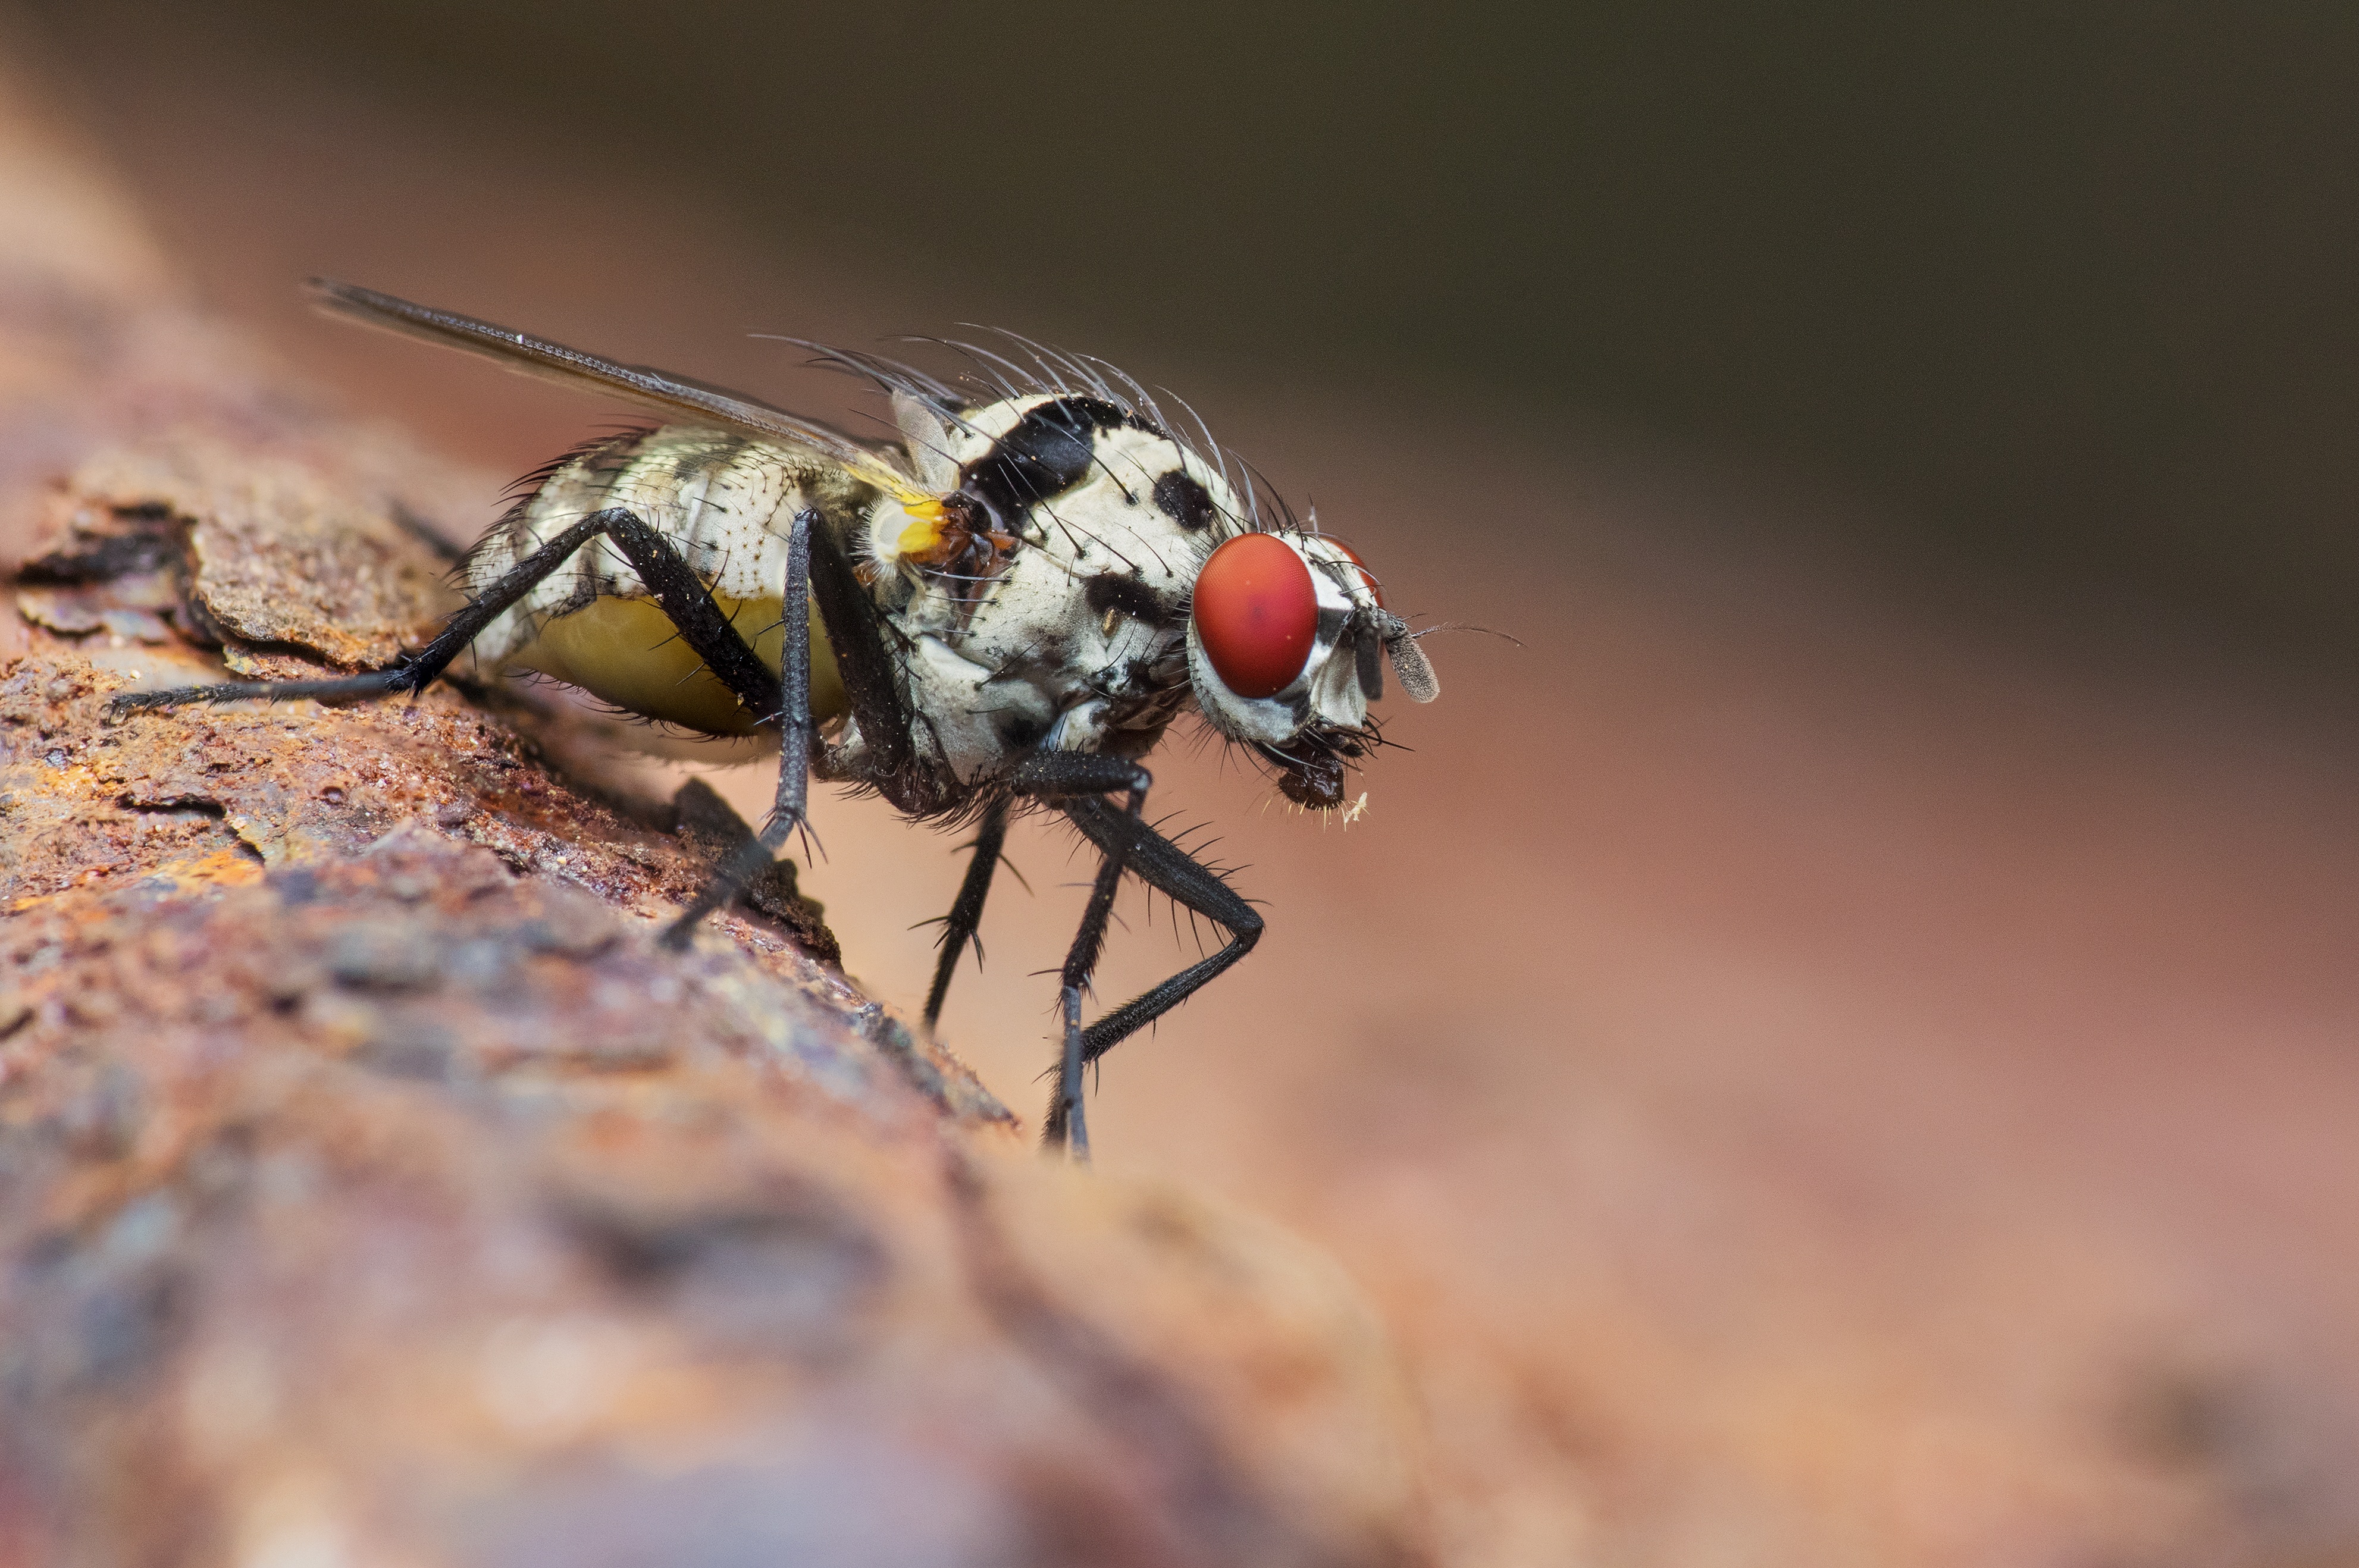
(1033, 559)
(1073, 637)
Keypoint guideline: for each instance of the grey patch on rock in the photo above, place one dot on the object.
(385, 954)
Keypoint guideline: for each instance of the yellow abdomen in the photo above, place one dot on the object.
(628, 652)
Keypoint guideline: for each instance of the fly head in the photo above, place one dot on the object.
(1287, 640)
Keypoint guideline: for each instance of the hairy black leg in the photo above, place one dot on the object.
(1052, 775)
(871, 685)
(687, 603)
(416, 672)
(676, 588)
(966, 911)
(1172, 871)
(788, 808)
(1066, 1125)
(1081, 780)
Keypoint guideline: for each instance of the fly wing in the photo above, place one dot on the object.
(661, 390)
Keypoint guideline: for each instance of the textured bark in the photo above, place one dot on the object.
(372, 1188)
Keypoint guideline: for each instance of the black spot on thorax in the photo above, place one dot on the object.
(1184, 501)
(1120, 590)
(1048, 450)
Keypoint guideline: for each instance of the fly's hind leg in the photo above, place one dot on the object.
(675, 587)
(413, 673)
(685, 601)
(1081, 782)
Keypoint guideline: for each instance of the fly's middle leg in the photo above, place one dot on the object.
(790, 808)
(966, 911)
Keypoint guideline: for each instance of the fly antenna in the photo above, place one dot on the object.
(1467, 626)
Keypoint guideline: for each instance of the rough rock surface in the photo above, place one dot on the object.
(392, 1207)
(374, 1190)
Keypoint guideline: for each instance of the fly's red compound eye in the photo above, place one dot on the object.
(1365, 574)
(1256, 613)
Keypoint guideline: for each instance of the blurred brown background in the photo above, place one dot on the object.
(1839, 1049)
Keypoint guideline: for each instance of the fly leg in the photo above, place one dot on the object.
(411, 672)
(966, 911)
(1066, 1126)
(685, 601)
(676, 588)
(1051, 775)
(871, 677)
(789, 807)
(1081, 780)
(818, 571)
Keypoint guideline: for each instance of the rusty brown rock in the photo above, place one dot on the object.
(275, 556)
(374, 1190)
(397, 1207)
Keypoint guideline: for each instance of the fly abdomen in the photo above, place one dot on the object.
(725, 502)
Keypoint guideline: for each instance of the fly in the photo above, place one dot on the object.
(1002, 610)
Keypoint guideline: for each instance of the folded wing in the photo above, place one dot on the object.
(674, 395)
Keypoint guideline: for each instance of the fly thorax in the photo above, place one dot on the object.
(1069, 628)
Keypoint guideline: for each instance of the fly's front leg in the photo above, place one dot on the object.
(1181, 877)
(1050, 776)
(1082, 780)
(1066, 1125)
